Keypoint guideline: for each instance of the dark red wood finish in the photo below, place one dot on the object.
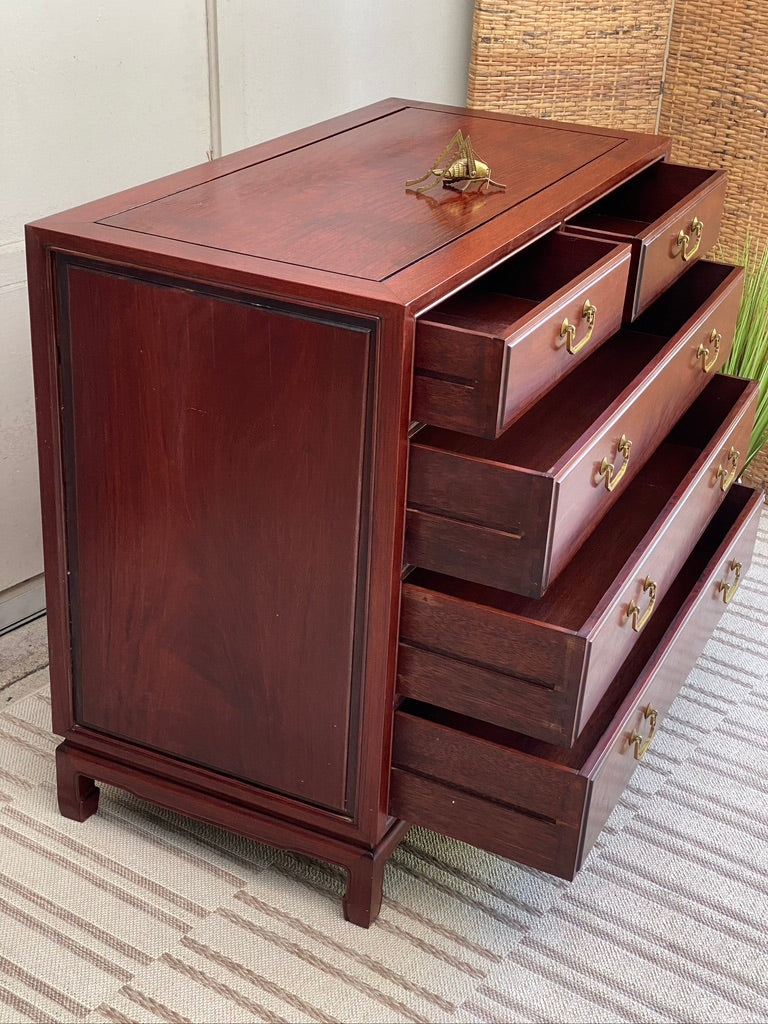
(187, 566)
(543, 805)
(650, 211)
(175, 538)
(510, 512)
(79, 797)
(485, 355)
(340, 205)
(543, 665)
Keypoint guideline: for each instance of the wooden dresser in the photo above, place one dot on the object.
(364, 508)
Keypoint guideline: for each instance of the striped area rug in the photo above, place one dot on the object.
(141, 915)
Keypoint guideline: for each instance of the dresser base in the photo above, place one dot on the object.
(78, 796)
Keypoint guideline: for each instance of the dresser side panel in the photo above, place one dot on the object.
(218, 487)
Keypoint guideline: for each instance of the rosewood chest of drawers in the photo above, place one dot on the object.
(365, 508)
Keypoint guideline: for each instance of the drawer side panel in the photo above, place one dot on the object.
(542, 844)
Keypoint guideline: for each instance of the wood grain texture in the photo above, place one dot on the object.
(500, 829)
(650, 211)
(224, 494)
(366, 819)
(611, 764)
(341, 205)
(485, 356)
(416, 286)
(363, 865)
(510, 512)
(574, 638)
(491, 696)
(450, 755)
(472, 518)
(206, 450)
(444, 615)
(520, 797)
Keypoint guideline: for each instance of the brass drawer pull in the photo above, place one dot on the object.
(723, 474)
(606, 471)
(568, 330)
(641, 748)
(723, 587)
(633, 608)
(684, 240)
(702, 353)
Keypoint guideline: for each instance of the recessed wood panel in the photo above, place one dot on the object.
(340, 205)
(217, 500)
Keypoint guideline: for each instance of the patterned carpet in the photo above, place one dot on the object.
(139, 915)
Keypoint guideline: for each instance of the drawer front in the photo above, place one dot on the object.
(613, 761)
(690, 231)
(526, 671)
(529, 801)
(643, 419)
(567, 331)
(478, 661)
(671, 216)
(483, 358)
(620, 619)
(515, 529)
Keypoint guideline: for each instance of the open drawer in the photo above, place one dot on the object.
(671, 216)
(543, 805)
(510, 512)
(486, 354)
(542, 666)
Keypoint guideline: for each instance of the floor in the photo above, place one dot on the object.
(23, 659)
(140, 915)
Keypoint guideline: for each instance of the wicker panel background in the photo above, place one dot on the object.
(599, 62)
(604, 62)
(696, 70)
(715, 105)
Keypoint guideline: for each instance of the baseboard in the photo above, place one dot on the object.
(21, 603)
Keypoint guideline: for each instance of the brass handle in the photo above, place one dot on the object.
(607, 469)
(723, 474)
(702, 352)
(568, 330)
(641, 748)
(633, 608)
(726, 590)
(684, 240)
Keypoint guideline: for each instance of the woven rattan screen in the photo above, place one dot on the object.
(593, 63)
(715, 105)
(612, 62)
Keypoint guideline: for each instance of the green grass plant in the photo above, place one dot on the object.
(749, 357)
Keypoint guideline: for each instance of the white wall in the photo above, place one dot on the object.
(94, 97)
(290, 63)
(98, 95)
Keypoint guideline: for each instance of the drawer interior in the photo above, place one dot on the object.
(670, 312)
(545, 434)
(573, 596)
(501, 297)
(629, 675)
(629, 210)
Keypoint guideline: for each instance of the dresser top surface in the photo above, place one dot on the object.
(326, 209)
(340, 204)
